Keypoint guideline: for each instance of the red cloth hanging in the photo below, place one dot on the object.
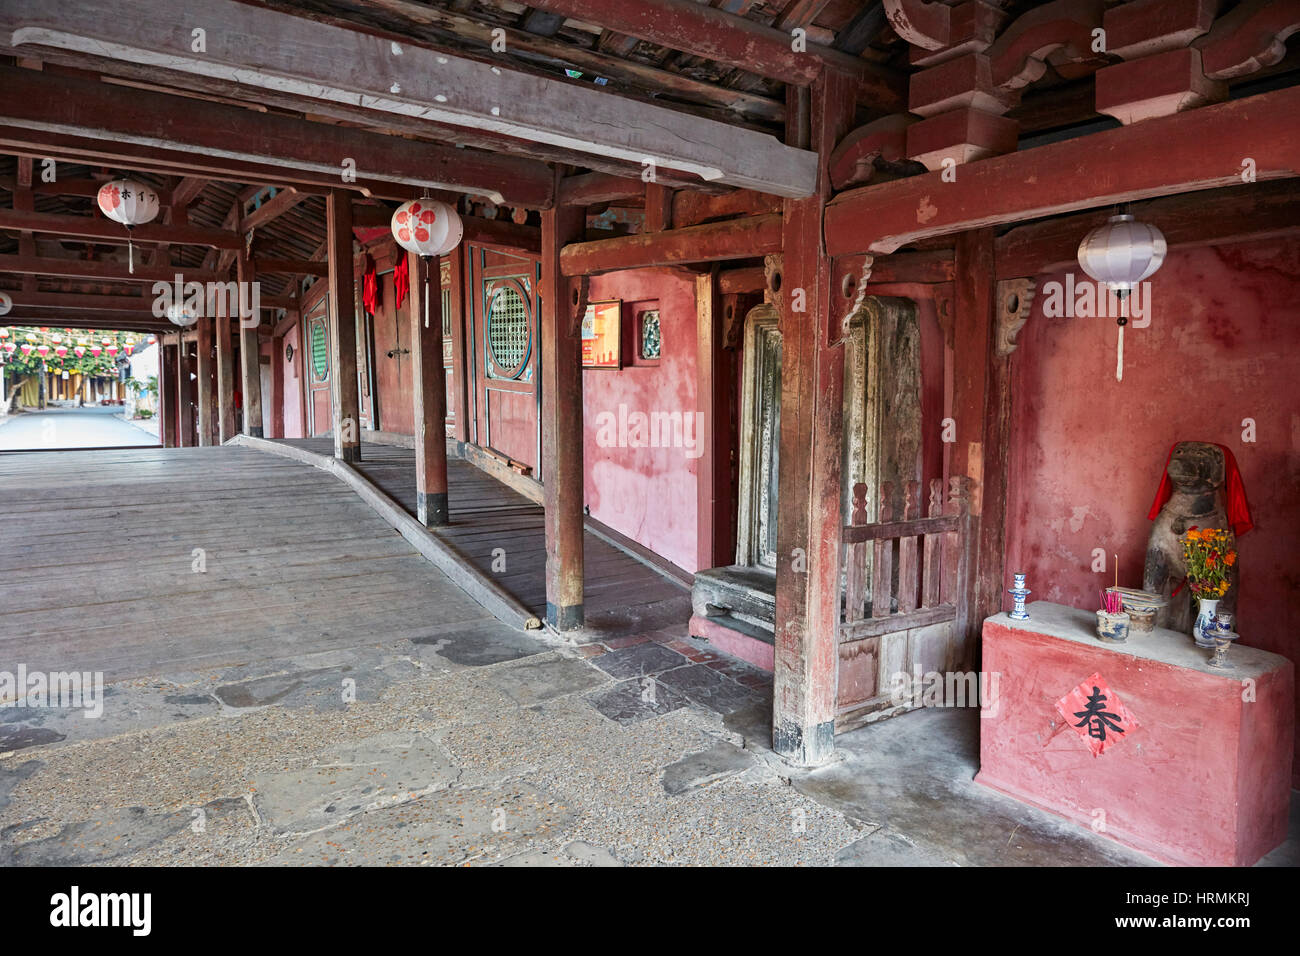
(1238, 506)
(370, 296)
(402, 279)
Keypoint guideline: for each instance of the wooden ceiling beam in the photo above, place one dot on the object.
(269, 49)
(88, 188)
(81, 302)
(106, 270)
(104, 321)
(285, 199)
(591, 189)
(126, 116)
(714, 34)
(89, 227)
(1234, 214)
(297, 267)
(433, 24)
(1186, 152)
(715, 242)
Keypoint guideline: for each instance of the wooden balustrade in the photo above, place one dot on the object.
(916, 566)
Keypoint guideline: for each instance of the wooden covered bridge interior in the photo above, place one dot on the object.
(805, 163)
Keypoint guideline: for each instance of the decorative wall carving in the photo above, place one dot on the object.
(1015, 298)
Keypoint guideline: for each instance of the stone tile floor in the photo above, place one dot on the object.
(493, 746)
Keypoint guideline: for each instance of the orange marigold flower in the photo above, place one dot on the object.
(1230, 558)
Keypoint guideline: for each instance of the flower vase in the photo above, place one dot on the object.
(1207, 607)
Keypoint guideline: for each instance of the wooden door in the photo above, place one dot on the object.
(316, 350)
(505, 311)
(760, 438)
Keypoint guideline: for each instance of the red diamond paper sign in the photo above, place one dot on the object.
(1096, 714)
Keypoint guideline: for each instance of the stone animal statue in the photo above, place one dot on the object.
(1201, 488)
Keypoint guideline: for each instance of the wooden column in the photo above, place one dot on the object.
(204, 370)
(981, 410)
(225, 375)
(277, 387)
(345, 402)
(715, 386)
(185, 436)
(166, 392)
(459, 337)
(250, 353)
(809, 517)
(429, 390)
(561, 355)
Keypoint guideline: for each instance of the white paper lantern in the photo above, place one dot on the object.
(6, 304)
(180, 314)
(127, 201)
(131, 203)
(1122, 252)
(427, 227)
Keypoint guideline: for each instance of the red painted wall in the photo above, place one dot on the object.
(1088, 452)
(648, 494)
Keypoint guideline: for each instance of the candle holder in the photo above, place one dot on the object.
(1018, 593)
(1222, 642)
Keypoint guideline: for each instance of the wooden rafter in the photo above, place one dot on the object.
(72, 106)
(267, 49)
(716, 35)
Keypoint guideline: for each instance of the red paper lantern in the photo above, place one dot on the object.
(80, 350)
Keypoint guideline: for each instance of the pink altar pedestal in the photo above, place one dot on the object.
(1201, 774)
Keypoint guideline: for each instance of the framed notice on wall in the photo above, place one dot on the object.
(601, 341)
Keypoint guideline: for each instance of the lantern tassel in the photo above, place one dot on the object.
(1119, 357)
(130, 256)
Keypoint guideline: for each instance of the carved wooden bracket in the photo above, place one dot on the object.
(1015, 297)
(854, 159)
(773, 273)
(733, 322)
(1249, 38)
(1062, 30)
(580, 287)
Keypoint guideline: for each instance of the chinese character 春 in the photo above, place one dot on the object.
(1097, 718)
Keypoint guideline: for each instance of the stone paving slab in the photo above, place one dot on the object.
(639, 660)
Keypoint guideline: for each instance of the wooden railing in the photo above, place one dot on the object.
(917, 565)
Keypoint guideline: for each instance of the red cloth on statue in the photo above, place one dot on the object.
(370, 287)
(402, 280)
(1235, 492)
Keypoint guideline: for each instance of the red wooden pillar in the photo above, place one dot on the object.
(430, 390)
(185, 437)
(225, 375)
(203, 367)
(344, 397)
(812, 385)
(981, 411)
(250, 353)
(561, 424)
(166, 393)
(459, 336)
(277, 387)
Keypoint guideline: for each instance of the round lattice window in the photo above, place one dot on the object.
(508, 333)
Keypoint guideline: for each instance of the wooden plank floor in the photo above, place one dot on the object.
(621, 594)
(97, 552)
